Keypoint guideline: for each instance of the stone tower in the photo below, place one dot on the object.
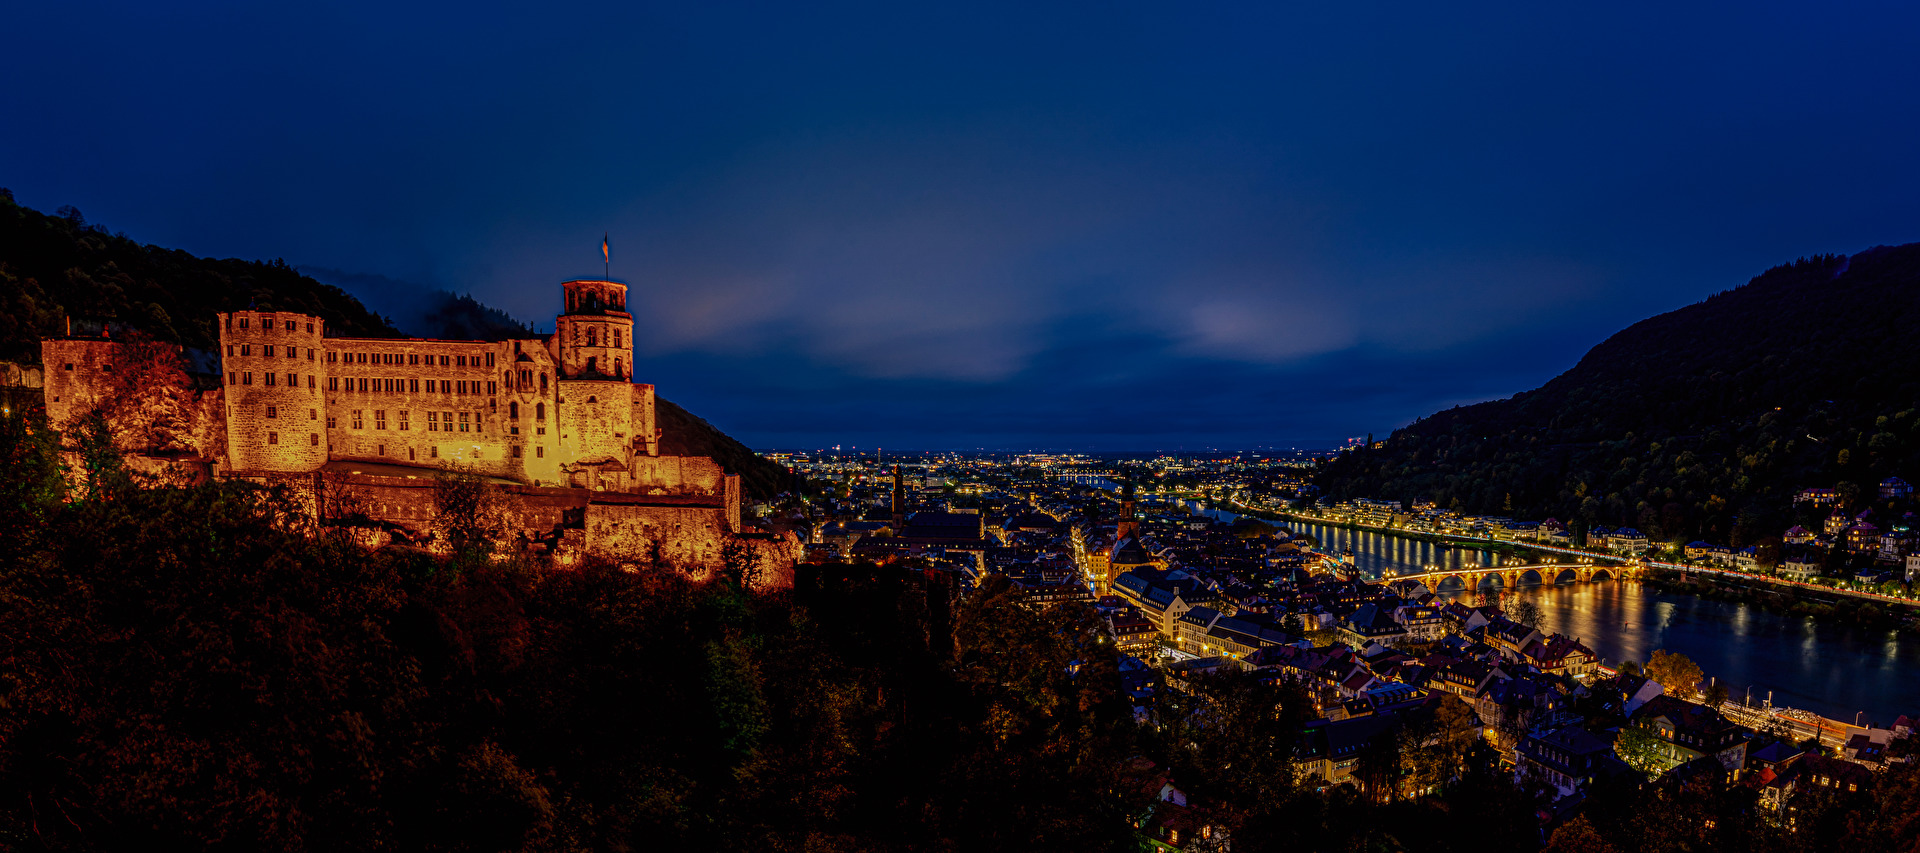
(1127, 528)
(274, 368)
(595, 332)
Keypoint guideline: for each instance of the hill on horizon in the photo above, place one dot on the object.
(1700, 422)
(56, 267)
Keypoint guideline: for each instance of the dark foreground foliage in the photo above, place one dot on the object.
(201, 669)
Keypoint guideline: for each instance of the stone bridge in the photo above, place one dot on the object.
(1511, 576)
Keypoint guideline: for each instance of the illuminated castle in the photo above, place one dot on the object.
(557, 419)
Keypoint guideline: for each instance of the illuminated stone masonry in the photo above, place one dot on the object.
(560, 414)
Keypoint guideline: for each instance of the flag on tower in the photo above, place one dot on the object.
(605, 253)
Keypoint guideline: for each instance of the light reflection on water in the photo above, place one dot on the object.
(1833, 670)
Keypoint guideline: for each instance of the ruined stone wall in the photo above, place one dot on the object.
(596, 420)
(688, 537)
(76, 377)
(141, 387)
(272, 367)
(678, 475)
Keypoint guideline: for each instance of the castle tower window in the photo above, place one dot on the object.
(590, 337)
(246, 349)
(313, 438)
(229, 350)
(617, 368)
(233, 378)
(243, 322)
(591, 367)
(310, 381)
(543, 382)
(309, 353)
(273, 438)
(540, 453)
(269, 378)
(493, 387)
(293, 380)
(273, 411)
(267, 350)
(539, 411)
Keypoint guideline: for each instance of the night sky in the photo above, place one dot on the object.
(1154, 226)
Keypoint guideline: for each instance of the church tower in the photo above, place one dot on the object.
(1128, 528)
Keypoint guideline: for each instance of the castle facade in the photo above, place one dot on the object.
(557, 420)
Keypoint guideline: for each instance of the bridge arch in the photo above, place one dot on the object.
(1521, 576)
(1565, 575)
(1600, 572)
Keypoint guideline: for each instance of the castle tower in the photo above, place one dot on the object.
(274, 365)
(595, 332)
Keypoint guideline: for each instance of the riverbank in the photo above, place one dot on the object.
(1505, 548)
(1784, 600)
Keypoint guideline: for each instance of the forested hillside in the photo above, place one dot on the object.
(1699, 422)
(59, 266)
(56, 267)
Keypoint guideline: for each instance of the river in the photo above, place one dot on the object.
(1832, 670)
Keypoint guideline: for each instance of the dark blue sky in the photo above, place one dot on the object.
(1100, 226)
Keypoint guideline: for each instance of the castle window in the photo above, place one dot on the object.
(293, 352)
(243, 322)
(459, 361)
(403, 420)
(446, 386)
(380, 420)
(443, 361)
(516, 451)
(461, 385)
(363, 358)
(266, 323)
(313, 438)
(489, 359)
(590, 338)
(233, 378)
(592, 366)
(409, 454)
(333, 383)
(333, 358)
(309, 353)
(493, 387)
(540, 452)
(293, 380)
(433, 422)
(269, 379)
(513, 411)
(617, 367)
(273, 411)
(363, 385)
(246, 349)
(379, 450)
(543, 382)
(463, 421)
(539, 411)
(413, 385)
(273, 438)
(357, 423)
(229, 350)
(267, 350)
(309, 381)
(313, 414)
(309, 328)
(333, 422)
(434, 451)
(69, 365)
